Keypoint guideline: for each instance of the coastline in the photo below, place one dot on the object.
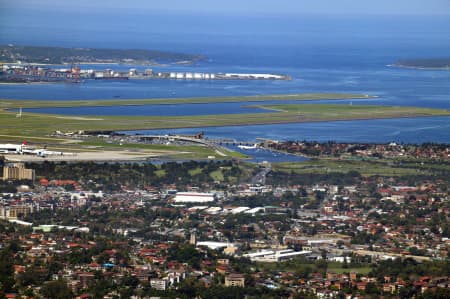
(66, 55)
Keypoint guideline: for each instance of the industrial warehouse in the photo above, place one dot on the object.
(193, 197)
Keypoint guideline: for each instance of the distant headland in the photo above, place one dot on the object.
(59, 55)
(424, 63)
(30, 64)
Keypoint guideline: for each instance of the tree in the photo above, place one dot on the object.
(185, 254)
(129, 281)
(371, 288)
(103, 258)
(6, 270)
(56, 289)
(303, 271)
(437, 293)
(322, 265)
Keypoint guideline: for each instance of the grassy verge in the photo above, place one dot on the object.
(9, 103)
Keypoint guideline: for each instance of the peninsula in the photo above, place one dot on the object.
(60, 55)
(424, 63)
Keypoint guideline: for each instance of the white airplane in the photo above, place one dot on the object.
(44, 153)
(246, 147)
(11, 148)
(23, 149)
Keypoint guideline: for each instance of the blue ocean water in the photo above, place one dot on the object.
(259, 155)
(347, 54)
(403, 130)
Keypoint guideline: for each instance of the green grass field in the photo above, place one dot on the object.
(365, 168)
(40, 125)
(217, 175)
(340, 270)
(392, 167)
(337, 112)
(10, 104)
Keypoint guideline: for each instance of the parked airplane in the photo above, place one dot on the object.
(11, 148)
(42, 152)
(23, 149)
